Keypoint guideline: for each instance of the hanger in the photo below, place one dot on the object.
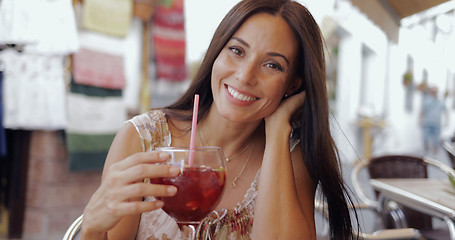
(16, 47)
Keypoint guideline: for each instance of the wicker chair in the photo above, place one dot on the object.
(72, 233)
(450, 149)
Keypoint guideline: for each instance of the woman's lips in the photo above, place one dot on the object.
(240, 96)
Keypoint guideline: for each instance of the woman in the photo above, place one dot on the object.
(263, 68)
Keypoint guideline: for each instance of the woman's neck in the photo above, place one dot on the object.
(232, 136)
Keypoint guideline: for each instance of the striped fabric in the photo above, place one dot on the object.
(168, 29)
(87, 152)
(94, 91)
(94, 116)
(99, 69)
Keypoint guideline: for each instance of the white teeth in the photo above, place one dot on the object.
(240, 96)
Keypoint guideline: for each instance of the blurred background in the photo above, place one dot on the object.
(72, 71)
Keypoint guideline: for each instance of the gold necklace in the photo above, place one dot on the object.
(233, 182)
(227, 159)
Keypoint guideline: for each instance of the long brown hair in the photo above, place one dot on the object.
(318, 148)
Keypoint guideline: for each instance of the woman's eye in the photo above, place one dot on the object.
(236, 50)
(275, 66)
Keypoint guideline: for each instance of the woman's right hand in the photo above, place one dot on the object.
(122, 190)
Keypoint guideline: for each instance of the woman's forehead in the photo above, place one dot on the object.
(269, 31)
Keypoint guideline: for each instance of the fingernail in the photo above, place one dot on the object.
(159, 204)
(174, 170)
(171, 190)
(163, 155)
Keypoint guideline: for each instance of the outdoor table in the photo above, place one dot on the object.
(435, 197)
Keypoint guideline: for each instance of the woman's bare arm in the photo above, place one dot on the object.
(285, 202)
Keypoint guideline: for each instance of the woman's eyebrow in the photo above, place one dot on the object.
(274, 54)
(241, 41)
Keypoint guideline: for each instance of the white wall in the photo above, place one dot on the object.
(202, 19)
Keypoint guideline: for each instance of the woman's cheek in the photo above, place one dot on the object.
(215, 74)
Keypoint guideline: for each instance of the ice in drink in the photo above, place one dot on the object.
(199, 192)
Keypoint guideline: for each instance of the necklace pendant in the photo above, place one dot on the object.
(228, 160)
(233, 182)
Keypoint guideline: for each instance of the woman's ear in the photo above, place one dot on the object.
(294, 86)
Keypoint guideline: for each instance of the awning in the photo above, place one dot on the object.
(387, 14)
(406, 8)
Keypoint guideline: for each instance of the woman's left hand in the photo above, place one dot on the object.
(288, 108)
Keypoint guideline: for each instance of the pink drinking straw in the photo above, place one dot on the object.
(193, 128)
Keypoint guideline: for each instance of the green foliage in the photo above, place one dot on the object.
(408, 78)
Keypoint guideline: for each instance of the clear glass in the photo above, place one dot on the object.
(200, 185)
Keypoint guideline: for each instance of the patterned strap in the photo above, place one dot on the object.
(153, 129)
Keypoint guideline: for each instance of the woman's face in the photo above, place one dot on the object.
(254, 69)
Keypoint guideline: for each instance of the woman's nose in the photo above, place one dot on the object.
(247, 73)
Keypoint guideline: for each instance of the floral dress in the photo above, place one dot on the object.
(223, 224)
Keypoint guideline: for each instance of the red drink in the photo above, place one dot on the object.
(199, 192)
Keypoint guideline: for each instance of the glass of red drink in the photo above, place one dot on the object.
(200, 185)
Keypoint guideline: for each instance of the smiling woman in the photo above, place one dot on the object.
(252, 72)
(281, 148)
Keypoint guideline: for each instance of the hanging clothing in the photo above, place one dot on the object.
(168, 31)
(95, 114)
(44, 26)
(33, 91)
(99, 69)
(17, 21)
(109, 17)
(34, 94)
